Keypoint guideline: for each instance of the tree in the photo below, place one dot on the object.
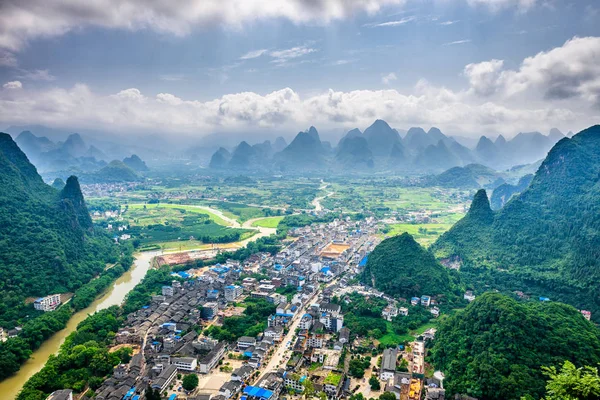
(387, 396)
(190, 382)
(374, 382)
(571, 383)
(152, 394)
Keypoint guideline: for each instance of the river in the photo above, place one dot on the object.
(10, 387)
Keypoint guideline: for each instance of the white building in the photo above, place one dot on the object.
(168, 291)
(48, 303)
(185, 363)
(232, 292)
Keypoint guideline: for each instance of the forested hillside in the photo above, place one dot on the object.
(496, 347)
(47, 241)
(399, 266)
(547, 239)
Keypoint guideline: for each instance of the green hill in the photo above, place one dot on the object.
(546, 240)
(495, 348)
(116, 171)
(399, 266)
(47, 242)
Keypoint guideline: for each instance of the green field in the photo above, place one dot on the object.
(391, 338)
(425, 234)
(179, 226)
(269, 222)
(158, 213)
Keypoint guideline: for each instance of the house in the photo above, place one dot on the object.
(209, 361)
(332, 322)
(586, 314)
(230, 388)
(232, 292)
(315, 341)
(403, 311)
(185, 363)
(48, 303)
(425, 301)
(209, 310)
(242, 373)
(165, 378)
(65, 394)
(274, 333)
(245, 341)
(305, 322)
(389, 312)
(257, 393)
(212, 294)
(388, 364)
(435, 311)
(294, 381)
(435, 393)
(469, 296)
(168, 291)
(344, 335)
(330, 308)
(415, 301)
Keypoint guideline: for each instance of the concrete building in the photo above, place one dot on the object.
(168, 291)
(48, 303)
(185, 363)
(209, 310)
(65, 394)
(388, 364)
(232, 292)
(165, 378)
(209, 361)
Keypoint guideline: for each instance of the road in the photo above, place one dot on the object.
(317, 201)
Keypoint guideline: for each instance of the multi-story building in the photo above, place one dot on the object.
(305, 322)
(185, 363)
(48, 303)
(232, 292)
(168, 291)
(165, 378)
(388, 364)
(209, 310)
(208, 362)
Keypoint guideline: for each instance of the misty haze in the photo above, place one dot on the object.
(299, 199)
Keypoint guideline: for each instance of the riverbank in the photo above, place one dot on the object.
(115, 295)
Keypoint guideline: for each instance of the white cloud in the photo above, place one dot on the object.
(253, 54)
(483, 76)
(447, 23)
(37, 75)
(281, 56)
(7, 59)
(457, 42)
(22, 21)
(389, 78)
(13, 85)
(571, 71)
(496, 5)
(391, 23)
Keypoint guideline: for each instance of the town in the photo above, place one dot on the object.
(305, 349)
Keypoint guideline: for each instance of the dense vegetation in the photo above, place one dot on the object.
(362, 316)
(399, 266)
(47, 241)
(495, 348)
(544, 241)
(83, 360)
(301, 220)
(253, 322)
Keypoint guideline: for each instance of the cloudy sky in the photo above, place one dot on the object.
(195, 67)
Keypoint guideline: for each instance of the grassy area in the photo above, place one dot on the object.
(392, 338)
(425, 234)
(333, 378)
(269, 222)
(158, 213)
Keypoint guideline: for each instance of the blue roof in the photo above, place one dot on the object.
(544, 299)
(145, 307)
(173, 396)
(258, 392)
(363, 262)
(415, 298)
(230, 287)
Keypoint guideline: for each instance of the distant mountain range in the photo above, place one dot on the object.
(74, 155)
(380, 147)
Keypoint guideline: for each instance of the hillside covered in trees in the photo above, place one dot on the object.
(495, 349)
(399, 266)
(546, 240)
(47, 241)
